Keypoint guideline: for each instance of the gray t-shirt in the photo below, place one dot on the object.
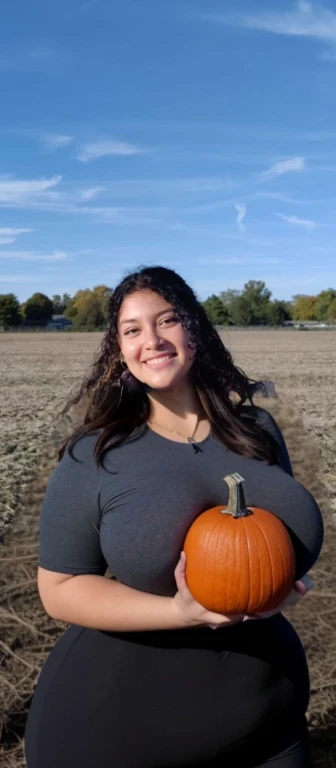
(135, 520)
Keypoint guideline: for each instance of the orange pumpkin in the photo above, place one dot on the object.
(239, 559)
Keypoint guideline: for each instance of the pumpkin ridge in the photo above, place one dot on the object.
(268, 549)
(249, 553)
(217, 525)
(205, 556)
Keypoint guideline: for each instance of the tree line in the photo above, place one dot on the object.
(253, 305)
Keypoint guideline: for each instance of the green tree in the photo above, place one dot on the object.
(217, 313)
(58, 306)
(103, 293)
(228, 297)
(304, 307)
(38, 309)
(60, 303)
(278, 312)
(249, 306)
(332, 312)
(10, 314)
(257, 299)
(324, 300)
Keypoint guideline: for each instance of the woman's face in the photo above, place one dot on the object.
(153, 341)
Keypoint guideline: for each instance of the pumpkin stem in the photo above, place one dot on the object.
(237, 505)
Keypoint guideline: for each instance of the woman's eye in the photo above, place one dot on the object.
(131, 330)
(170, 319)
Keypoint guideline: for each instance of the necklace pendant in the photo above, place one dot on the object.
(194, 445)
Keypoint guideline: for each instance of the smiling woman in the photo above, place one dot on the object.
(154, 313)
(139, 653)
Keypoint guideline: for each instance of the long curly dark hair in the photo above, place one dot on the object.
(118, 414)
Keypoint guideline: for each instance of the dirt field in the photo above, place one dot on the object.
(38, 370)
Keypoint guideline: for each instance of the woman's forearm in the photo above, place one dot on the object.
(102, 603)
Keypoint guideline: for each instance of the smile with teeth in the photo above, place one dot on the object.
(159, 360)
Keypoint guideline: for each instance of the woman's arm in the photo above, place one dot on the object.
(102, 603)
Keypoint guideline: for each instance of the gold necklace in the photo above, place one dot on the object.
(190, 439)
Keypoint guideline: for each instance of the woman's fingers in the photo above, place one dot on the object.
(306, 581)
(180, 574)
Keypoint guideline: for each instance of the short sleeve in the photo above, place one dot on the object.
(70, 519)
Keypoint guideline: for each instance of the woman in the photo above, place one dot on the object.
(139, 680)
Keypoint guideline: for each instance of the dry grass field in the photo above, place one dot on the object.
(38, 370)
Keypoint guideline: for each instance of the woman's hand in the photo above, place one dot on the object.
(190, 611)
(296, 594)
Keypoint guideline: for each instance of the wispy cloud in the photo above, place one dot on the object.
(8, 235)
(33, 256)
(99, 149)
(304, 20)
(294, 220)
(90, 194)
(285, 166)
(53, 141)
(15, 190)
(288, 199)
(13, 231)
(241, 210)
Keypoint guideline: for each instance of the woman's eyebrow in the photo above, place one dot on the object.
(136, 319)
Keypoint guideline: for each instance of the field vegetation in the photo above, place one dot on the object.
(39, 370)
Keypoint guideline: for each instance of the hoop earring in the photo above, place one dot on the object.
(123, 362)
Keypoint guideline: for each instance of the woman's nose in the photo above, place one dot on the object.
(153, 339)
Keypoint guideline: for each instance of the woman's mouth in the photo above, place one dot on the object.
(160, 362)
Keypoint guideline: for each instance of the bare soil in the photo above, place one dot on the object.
(39, 370)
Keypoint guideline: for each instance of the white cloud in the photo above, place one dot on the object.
(304, 20)
(10, 231)
(90, 194)
(285, 166)
(33, 256)
(12, 190)
(99, 149)
(53, 141)
(308, 223)
(9, 234)
(241, 210)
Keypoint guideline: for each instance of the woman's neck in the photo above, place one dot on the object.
(180, 404)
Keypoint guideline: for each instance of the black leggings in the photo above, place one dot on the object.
(194, 698)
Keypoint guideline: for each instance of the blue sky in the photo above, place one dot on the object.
(196, 134)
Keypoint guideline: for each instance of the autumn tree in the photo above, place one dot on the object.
(94, 302)
(304, 307)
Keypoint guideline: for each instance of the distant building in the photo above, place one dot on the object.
(59, 323)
